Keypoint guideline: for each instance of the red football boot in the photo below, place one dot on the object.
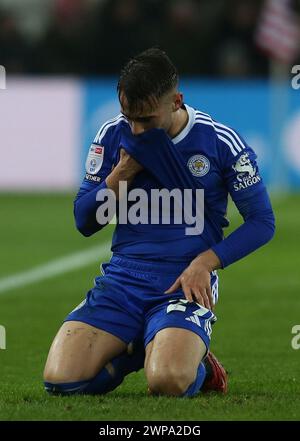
(216, 379)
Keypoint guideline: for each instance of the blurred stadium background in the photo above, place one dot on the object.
(62, 59)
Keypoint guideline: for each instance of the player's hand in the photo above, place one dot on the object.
(125, 170)
(128, 164)
(195, 283)
(195, 279)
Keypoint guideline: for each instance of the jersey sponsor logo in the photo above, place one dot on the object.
(98, 150)
(95, 159)
(243, 165)
(198, 165)
(92, 178)
(246, 173)
(246, 182)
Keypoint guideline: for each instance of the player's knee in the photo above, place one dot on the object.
(59, 383)
(105, 381)
(59, 370)
(52, 375)
(169, 382)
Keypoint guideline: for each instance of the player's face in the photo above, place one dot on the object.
(161, 115)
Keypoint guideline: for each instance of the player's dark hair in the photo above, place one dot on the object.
(146, 78)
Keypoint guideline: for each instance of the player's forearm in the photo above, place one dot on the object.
(85, 208)
(209, 260)
(258, 229)
(247, 238)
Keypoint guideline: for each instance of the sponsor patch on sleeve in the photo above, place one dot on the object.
(92, 178)
(95, 159)
(246, 173)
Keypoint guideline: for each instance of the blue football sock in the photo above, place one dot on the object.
(196, 386)
(108, 379)
(76, 387)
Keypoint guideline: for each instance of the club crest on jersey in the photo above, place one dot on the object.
(198, 165)
(95, 159)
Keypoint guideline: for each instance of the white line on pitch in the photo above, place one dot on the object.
(55, 267)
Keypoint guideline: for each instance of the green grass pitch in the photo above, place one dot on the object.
(258, 306)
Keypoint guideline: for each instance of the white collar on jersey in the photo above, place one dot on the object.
(186, 130)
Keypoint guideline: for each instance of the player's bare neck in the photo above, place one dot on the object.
(181, 119)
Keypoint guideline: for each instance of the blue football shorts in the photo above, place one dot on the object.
(128, 301)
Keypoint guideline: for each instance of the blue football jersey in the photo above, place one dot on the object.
(215, 155)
